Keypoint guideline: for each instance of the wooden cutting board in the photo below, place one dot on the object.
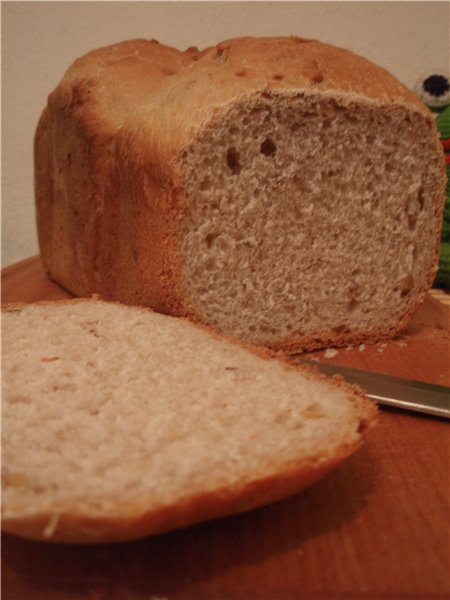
(375, 528)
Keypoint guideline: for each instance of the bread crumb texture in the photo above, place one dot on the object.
(111, 413)
(310, 216)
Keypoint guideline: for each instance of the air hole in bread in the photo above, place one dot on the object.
(205, 185)
(267, 330)
(412, 222)
(19, 399)
(313, 411)
(289, 308)
(210, 239)
(352, 304)
(341, 329)
(233, 161)
(49, 358)
(375, 201)
(281, 418)
(131, 485)
(210, 264)
(66, 386)
(312, 414)
(351, 118)
(287, 417)
(268, 148)
(406, 286)
(421, 198)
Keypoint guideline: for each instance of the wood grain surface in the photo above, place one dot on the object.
(377, 527)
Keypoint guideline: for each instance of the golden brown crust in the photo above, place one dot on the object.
(138, 521)
(109, 189)
(92, 213)
(242, 66)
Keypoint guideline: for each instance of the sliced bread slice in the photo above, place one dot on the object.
(119, 422)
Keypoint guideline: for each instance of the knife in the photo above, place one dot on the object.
(394, 391)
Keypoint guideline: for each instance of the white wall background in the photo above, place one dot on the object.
(41, 39)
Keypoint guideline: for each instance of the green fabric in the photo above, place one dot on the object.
(443, 124)
(446, 224)
(443, 274)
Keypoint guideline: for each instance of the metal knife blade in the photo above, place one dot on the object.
(393, 391)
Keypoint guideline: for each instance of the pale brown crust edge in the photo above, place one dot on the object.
(92, 529)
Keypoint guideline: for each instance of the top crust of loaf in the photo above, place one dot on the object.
(109, 85)
(247, 65)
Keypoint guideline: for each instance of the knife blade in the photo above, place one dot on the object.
(402, 393)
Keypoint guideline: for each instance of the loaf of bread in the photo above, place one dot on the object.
(280, 190)
(119, 422)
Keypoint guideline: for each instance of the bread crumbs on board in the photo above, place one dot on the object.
(330, 353)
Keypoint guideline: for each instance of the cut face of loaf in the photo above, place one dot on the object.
(309, 219)
(281, 190)
(130, 423)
